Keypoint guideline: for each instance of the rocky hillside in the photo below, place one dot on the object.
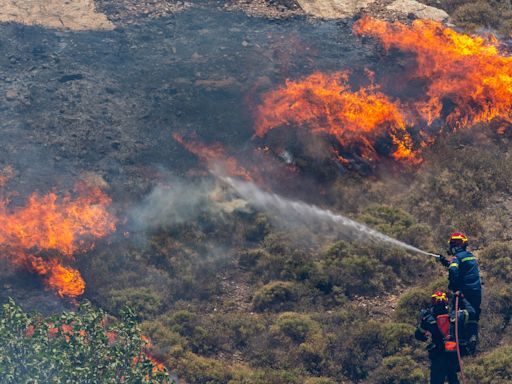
(145, 101)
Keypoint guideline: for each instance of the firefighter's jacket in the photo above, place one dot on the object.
(428, 329)
(463, 273)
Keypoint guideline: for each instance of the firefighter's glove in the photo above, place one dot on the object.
(444, 261)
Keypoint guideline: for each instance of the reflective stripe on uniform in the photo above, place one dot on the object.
(453, 265)
(468, 258)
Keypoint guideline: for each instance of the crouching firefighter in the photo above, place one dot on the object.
(464, 275)
(438, 324)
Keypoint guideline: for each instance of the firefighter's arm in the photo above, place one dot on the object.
(444, 261)
(421, 334)
(422, 330)
(453, 275)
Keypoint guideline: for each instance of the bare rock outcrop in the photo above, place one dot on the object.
(73, 14)
(333, 9)
(418, 9)
(337, 9)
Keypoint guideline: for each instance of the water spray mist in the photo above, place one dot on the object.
(311, 214)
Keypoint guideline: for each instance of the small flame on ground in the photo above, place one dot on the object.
(213, 155)
(53, 224)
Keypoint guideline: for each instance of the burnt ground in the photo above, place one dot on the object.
(106, 103)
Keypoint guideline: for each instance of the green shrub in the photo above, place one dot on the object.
(492, 368)
(415, 299)
(144, 301)
(397, 370)
(410, 304)
(258, 229)
(387, 219)
(419, 235)
(319, 380)
(240, 328)
(496, 260)
(202, 370)
(275, 296)
(296, 326)
(337, 251)
(364, 276)
(248, 259)
(500, 301)
(357, 349)
(395, 336)
(475, 14)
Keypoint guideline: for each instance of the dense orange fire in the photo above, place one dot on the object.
(50, 229)
(213, 154)
(464, 80)
(468, 70)
(326, 104)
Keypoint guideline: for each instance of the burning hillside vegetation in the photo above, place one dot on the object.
(378, 120)
(48, 232)
(456, 81)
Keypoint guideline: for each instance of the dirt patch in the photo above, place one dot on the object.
(74, 15)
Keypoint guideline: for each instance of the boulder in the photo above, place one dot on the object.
(418, 9)
(333, 9)
(75, 15)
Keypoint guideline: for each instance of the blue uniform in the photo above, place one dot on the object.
(464, 276)
(444, 365)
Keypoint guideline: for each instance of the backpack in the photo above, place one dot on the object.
(443, 323)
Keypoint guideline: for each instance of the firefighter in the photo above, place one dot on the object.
(463, 274)
(437, 324)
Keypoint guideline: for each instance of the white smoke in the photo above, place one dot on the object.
(179, 202)
(291, 212)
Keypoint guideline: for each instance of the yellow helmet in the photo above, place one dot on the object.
(439, 297)
(458, 240)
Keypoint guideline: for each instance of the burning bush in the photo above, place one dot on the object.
(51, 229)
(464, 80)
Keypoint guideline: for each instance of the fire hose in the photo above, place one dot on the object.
(463, 378)
(457, 296)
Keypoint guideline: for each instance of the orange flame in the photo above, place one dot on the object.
(62, 225)
(326, 104)
(214, 154)
(468, 70)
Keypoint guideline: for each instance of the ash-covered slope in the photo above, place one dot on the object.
(226, 294)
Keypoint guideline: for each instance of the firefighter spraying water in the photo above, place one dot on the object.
(452, 330)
